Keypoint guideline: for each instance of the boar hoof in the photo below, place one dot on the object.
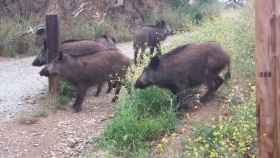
(77, 109)
(115, 99)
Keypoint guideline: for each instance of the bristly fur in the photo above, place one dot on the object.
(177, 50)
(188, 66)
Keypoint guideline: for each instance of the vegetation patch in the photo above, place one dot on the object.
(141, 116)
(233, 136)
(83, 28)
(13, 37)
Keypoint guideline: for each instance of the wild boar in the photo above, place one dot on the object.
(187, 66)
(89, 70)
(150, 36)
(77, 48)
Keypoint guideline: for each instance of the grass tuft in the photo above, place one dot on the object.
(142, 116)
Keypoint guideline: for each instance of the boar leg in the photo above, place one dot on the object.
(143, 48)
(118, 87)
(218, 82)
(212, 86)
(109, 87)
(158, 49)
(99, 88)
(80, 98)
(136, 49)
(177, 90)
(152, 50)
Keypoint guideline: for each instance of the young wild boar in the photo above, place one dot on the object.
(150, 36)
(90, 70)
(187, 66)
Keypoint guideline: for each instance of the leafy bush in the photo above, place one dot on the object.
(233, 136)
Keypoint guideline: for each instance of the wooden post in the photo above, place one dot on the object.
(268, 77)
(52, 26)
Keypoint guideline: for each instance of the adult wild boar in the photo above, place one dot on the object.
(187, 66)
(89, 70)
(150, 36)
(77, 48)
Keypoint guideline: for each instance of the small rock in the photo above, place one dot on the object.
(35, 145)
(36, 134)
(72, 143)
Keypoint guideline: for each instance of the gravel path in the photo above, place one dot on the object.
(18, 81)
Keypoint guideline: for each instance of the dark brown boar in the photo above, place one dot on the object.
(76, 47)
(90, 70)
(150, 36)
(187, 66)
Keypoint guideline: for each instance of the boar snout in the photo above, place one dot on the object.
(139, 84)
(44, 72)
(37, 62)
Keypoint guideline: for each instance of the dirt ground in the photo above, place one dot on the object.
(62, 134)
(65, 134)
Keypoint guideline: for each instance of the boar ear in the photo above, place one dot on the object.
(154, 62)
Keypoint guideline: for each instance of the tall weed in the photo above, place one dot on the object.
(13, 39)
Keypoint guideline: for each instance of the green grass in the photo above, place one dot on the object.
(142, 116)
